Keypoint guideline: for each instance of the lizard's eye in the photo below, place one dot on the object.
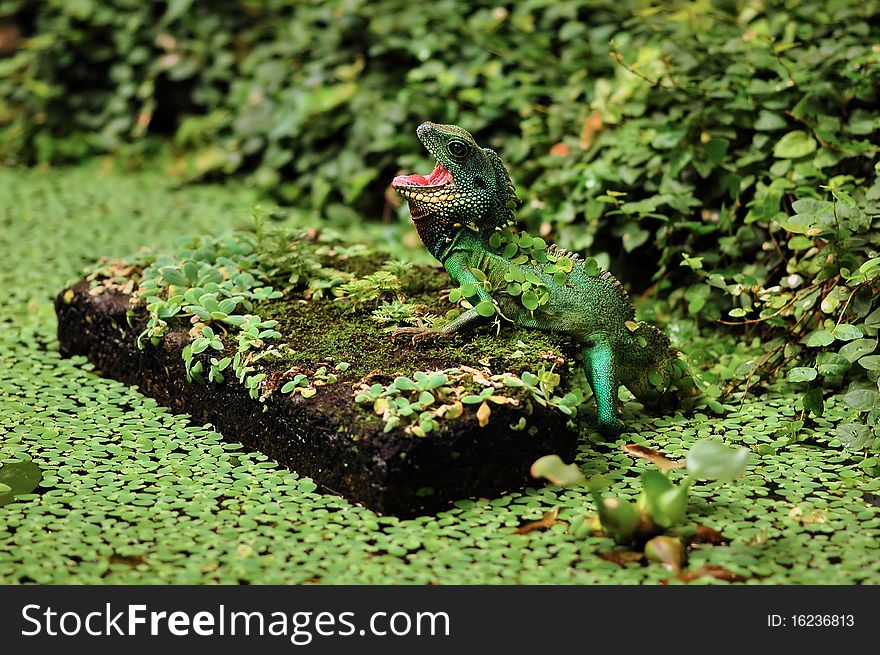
(457, 149)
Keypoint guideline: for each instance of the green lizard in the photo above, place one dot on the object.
(462, 212)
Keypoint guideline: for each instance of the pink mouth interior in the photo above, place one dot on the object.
(438, 177)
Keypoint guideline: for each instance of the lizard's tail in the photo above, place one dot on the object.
(654, 371)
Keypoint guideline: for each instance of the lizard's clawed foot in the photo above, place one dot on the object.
(418, 334)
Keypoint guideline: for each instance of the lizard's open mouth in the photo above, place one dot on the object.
(424, 192)
(439, 177)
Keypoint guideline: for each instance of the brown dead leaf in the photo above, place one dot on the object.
(654, 456)
(546, 521)
(622, 557)
(478, 376)
(10, 39)
(592, 126)
(707, 535)
(711, 570)
(128, 560)
(560, 149)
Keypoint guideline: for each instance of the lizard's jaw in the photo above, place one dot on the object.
(424, 192)
(439, 177)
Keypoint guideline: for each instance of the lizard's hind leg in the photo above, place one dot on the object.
(599, 367)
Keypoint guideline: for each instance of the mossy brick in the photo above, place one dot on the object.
(323, 437)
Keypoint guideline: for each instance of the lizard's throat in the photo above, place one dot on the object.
(435, 230)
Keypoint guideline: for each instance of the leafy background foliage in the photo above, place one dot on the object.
(731, 144)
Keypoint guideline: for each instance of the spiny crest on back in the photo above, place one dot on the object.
(559, 251)
(506, 192)
(605, 276)
(615, 283)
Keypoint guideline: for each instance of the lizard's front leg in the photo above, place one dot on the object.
(470, 318)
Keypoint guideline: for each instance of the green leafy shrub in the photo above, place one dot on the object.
(318, 100)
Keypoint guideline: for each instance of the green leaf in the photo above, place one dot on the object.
(814, 402)
(802, 374)
(666, 502)
(863, 400)
(404, 384)
(173, 275)
(436, 380)
(479, 275)
(618, 516)
(191, 271)
(716, 149)
(485, 308)
(795, 144)
(666, 550)
(712, 460)
(534, 279)
(530, 300)
(200, 345)
(468, 289)
(565, 264)
(855, 436)
(847, 332)
(858, 348)
(227, 305)
(591, 267)
(870, 362)
(818, 339)
(517, 274)
(797, 243)
(769, 121)
(830, 364)
(552, 468)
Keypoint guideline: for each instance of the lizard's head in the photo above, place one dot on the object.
(469, 185)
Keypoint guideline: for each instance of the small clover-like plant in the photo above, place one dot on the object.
(420, 402)
(542, 388)
(307, 385)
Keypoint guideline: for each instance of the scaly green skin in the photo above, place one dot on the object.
(459, 208)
